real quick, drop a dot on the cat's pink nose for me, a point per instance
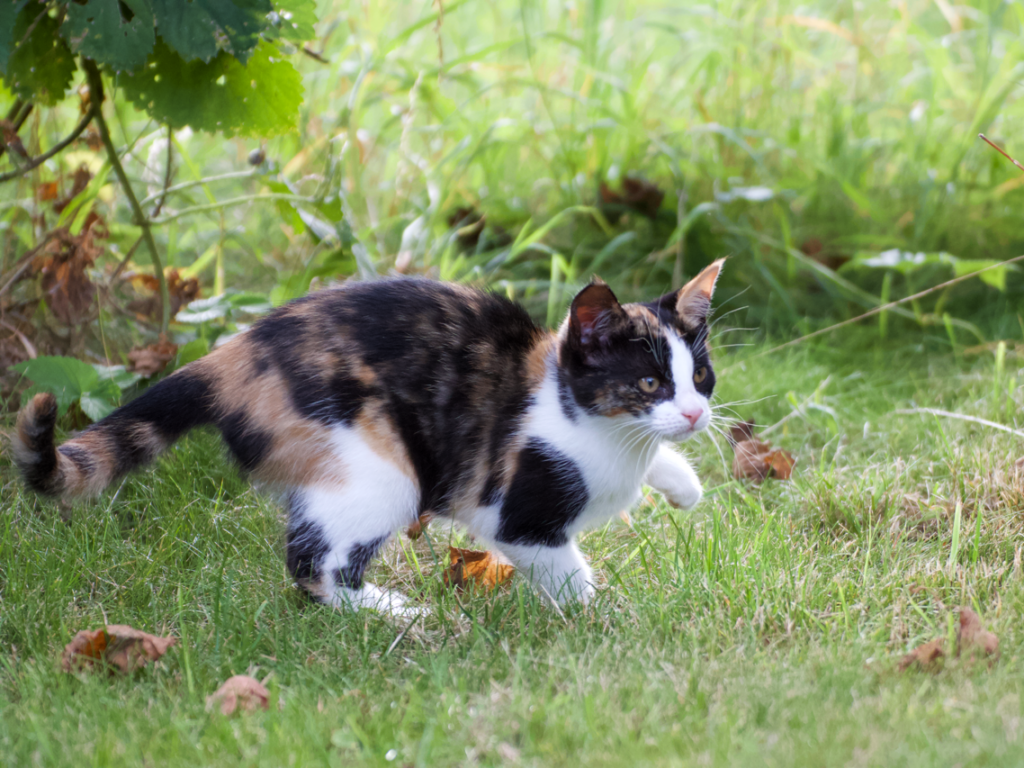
(692, 416)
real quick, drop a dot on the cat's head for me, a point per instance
(645, 361)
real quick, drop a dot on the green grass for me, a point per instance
(762, 629)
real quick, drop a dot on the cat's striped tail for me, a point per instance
(131, 436)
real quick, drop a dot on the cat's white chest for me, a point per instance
(611, 458)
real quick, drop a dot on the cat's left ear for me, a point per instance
(593, 313)
(692, 302)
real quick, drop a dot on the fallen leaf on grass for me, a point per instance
(117, 647)
(925, 655)
(150, 360)
(972, 638)
(637, 194)
(415, 530)
(756, 459)
(240, 691)
(474, 568)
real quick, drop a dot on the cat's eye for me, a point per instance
(700, 375)
(648, 384)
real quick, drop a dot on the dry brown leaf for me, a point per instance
(12, 139)
(474, 568)
(637, 194)
(973, 638)
(47, 190)
(750, 460)
(741, 430)
(150, 360)
(117, 647)
(925, 655)
(755, 459)
(781, 464)
(240, 691)
(181, 290)
(63, 264)
(415, 530)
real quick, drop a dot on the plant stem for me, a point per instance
(96, 92)
(56, 149)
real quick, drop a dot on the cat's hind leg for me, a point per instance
(334, 531)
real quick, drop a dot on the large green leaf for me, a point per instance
(98, 29)
(241, 21)
(39, 66)
(9, 12)
(294, 19)
(261, 98)
(187, 27)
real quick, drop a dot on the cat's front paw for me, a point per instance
(684, 495)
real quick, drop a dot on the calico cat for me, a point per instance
(369, 404)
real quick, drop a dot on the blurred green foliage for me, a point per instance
(496, 143)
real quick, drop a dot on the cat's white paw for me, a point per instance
(685, 494)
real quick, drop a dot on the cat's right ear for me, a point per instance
(593, 314)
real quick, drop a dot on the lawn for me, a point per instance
(764, 628)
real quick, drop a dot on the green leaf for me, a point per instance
(39, 67)
(100, 401)
(191, 352)
(187, 27)
(996, 276)
(204, 310)
(241, 21)
(261, 98)
(294, 20)
(118, 374)
(99, 30)
(66, 378)
(9, 13)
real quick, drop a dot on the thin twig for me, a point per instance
(962, 417)
(23, 263)
(885, 307)
(200, 182)
(314, 55)
(124, 261)
(96, 98)
(228, 203)
(994, 146)
(167, 176)
(36, 161)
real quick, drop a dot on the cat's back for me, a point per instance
(402, 321)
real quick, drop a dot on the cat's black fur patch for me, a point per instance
(546, 495)
(306, 544)
(450, 367)
(359, 556)
(247, 442)
(79, 456)
(172, 406)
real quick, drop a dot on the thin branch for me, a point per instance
(988, 141)
(960, 416)
(167, 176)
(23, 116)
(23, 263)
(314, 55)
(231, 202)
(200, 182)
(57, 149)
(888, 306)
(124, 262)
(13, 111)
(96, 98)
